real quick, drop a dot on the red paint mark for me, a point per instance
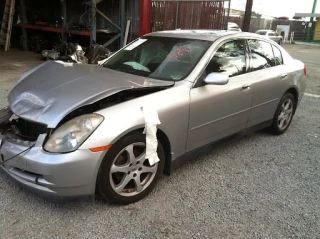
(178, 53)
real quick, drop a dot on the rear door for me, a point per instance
(269, 80)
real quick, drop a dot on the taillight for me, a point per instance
(305, 70)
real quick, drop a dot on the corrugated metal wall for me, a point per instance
(169, 15)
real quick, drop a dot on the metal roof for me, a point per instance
(307, 15)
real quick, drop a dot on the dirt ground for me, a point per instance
(12, 64)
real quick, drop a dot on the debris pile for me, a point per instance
(97, 53)
(72, 52)
(50, 55)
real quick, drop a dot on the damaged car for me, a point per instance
(74, 131)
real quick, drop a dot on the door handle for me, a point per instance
(284, 76)
(246, 87)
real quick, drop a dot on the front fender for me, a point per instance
(118, 121)
(172, 106)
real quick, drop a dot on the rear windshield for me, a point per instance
(162, 58)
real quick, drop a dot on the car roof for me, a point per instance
(265, 30)
(208, 35)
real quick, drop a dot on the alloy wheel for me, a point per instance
(285, 114)
(130, 171)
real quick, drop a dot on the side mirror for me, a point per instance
(216, 79)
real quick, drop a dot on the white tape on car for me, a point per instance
(151, 121)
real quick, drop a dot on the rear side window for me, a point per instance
(277, 56)
(261, 55)
(229, 59)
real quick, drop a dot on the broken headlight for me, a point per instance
(72, 134)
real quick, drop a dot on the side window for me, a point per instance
(229, 59)
(271, 34)
(261, 55)
(277, 56)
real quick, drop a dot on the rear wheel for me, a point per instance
(283, 116)
(125, 175)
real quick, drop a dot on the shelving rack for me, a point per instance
(92, 32)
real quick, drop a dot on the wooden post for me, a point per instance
(63, 19)
(247, 16)
(177, 15)
(24, 20)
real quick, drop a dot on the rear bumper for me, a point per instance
(58, 177)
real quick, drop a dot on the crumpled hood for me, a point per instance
(48, 92)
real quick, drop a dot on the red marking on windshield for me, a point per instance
(178, 53)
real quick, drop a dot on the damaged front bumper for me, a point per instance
(59, 177)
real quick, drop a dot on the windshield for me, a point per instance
(159, 57)
(262, 33)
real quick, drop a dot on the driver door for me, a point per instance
(217, 111)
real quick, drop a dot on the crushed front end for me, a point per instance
(56, 176)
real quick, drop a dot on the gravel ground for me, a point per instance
(258, 186)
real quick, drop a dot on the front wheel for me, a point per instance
(125, 174)
(280, 42)
(284, 113)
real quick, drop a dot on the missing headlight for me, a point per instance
(27, 130)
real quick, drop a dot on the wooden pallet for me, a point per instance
(6, 26)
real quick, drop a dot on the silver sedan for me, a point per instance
(73, 130)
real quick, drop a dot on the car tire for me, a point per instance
(132, 178)
(284, 114)
(280, 42)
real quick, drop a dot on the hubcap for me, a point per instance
(130, 172)
(285, 114)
